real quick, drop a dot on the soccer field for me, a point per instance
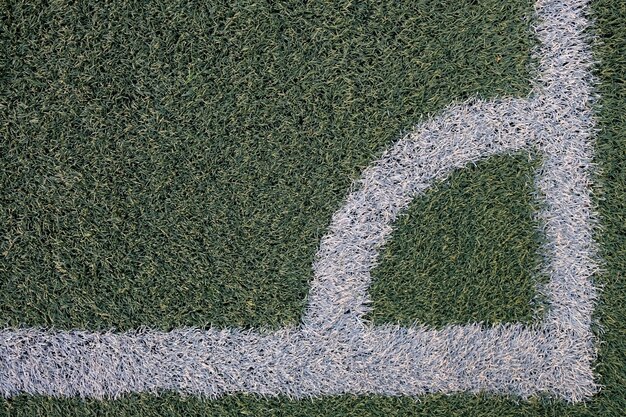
(173, 164)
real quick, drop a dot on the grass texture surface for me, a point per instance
(176, 165)
(168, 164)
(465, 252)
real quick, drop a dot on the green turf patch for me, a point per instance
(465, 252)
(245, 405)
(610, 16)
(171, 165)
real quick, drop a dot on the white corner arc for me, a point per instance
(335, 351)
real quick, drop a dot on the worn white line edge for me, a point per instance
(335, 351)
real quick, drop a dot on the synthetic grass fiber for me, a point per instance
(113, 198)
(478, 263)
(176, 165)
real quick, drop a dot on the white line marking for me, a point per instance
(335, 351)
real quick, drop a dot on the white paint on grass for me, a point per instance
(335, 351)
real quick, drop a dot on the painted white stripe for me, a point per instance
(335, 351)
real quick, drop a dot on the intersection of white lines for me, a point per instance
(334, 351)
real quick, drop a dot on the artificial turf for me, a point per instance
(466, 252)
(70, 166)
(169, 164)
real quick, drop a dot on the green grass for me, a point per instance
(173, 165)
(342, 406)
(60, 123)
(467, 251)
